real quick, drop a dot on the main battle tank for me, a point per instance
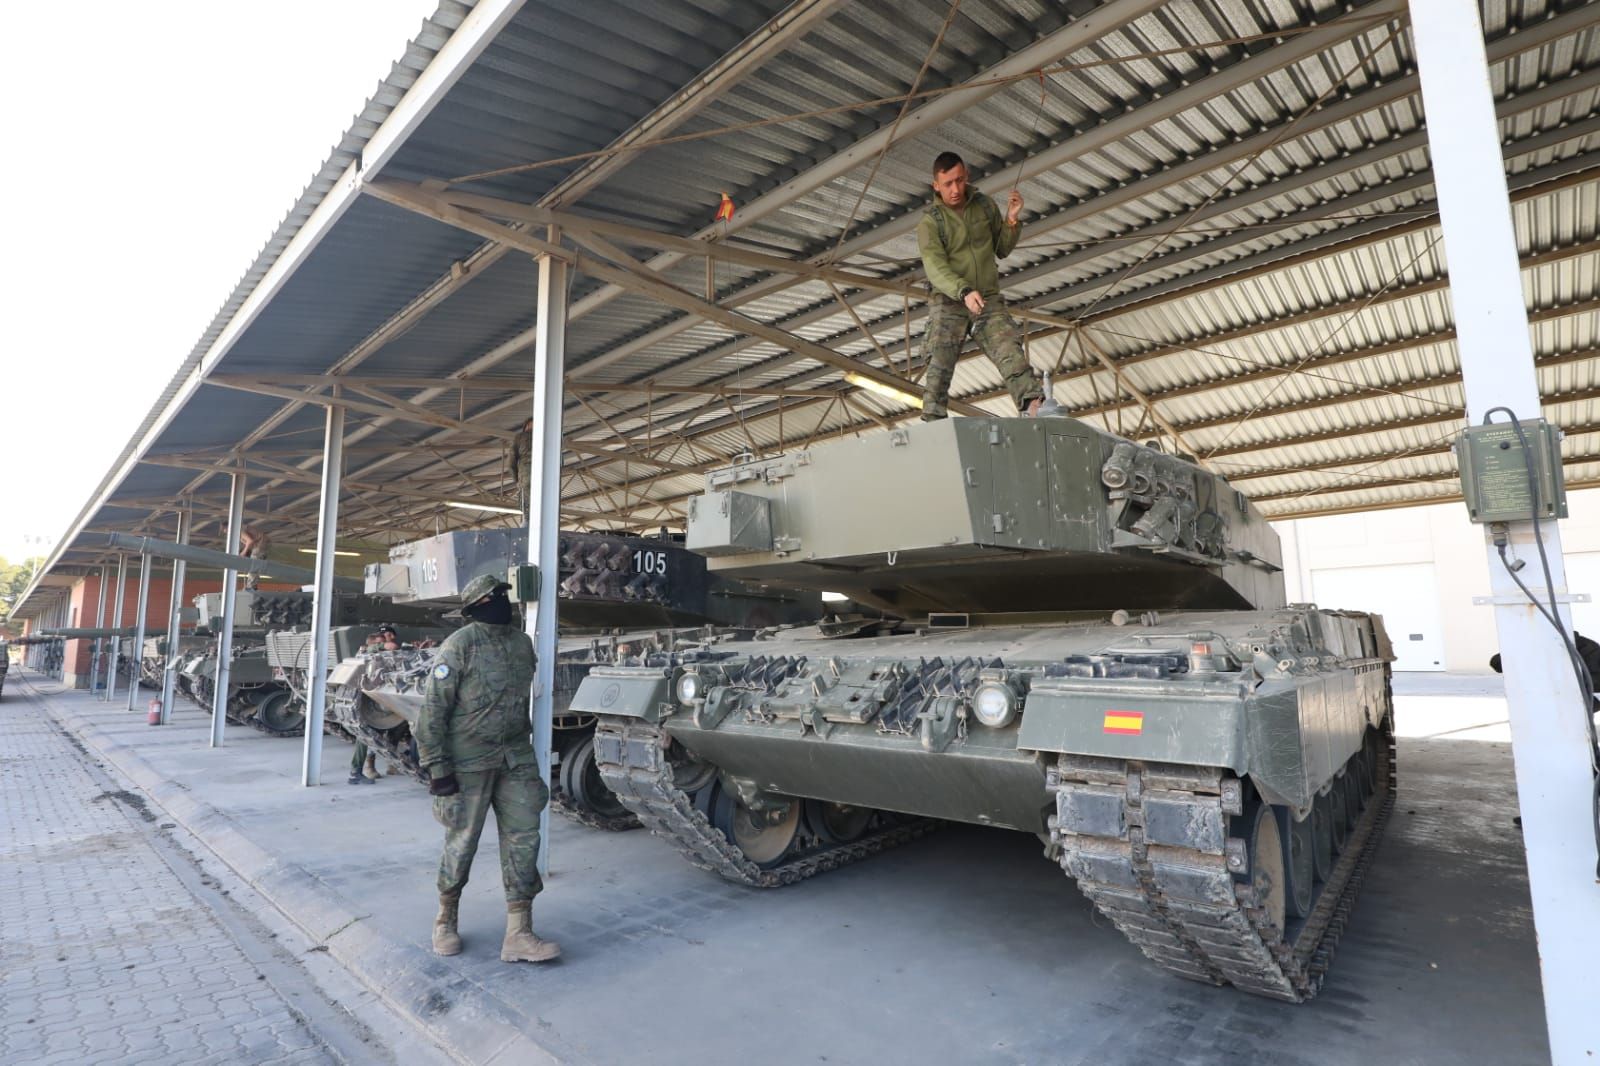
(286, 649)
(619, 598)
(255, 696)
(1092, 647)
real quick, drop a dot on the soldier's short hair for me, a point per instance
(946, 161)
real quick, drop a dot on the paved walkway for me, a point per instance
(115, 946)
(966, 946)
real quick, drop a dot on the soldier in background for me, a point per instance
(363, 761)
(474, 740)
(960, 237)
(254, 544)
(521, 448)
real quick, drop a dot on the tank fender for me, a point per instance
(640, 692)
(1192, 725)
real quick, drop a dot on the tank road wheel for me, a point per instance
(765, 837)
(836, 823)
(1339, 813)
(279, 715)
(1298, 860)
(1355, 788)
(580, 779)
(1267, 881)
(1322, 847)
(1367, 762)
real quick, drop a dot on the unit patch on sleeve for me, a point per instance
(441, 671)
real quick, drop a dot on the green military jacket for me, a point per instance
(475, 713)
(960, 247)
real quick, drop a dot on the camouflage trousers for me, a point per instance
(949, 322)
(517, 794)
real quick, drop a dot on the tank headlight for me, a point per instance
(688, 688)
(995, 704)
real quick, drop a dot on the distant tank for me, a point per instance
(618, 596)
(1078, 637)
(355, 617)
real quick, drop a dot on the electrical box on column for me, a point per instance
(1495, 459)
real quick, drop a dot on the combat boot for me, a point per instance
(521, 943)
(446, 941)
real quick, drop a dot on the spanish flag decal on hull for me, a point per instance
(1129, 723)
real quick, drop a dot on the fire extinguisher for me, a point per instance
(154, 717)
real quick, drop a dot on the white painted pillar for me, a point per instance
(140, 612)
(100, 623)
(116, 642)
(169, 676)
(230, 583)
(1550, 740)
(544, 521)
(322, 595)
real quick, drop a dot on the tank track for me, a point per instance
(237, 716)
(254, 722)
(1182, 906)
(633, 762)
(615, 824)
(378, 740)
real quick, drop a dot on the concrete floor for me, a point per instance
(965, 947)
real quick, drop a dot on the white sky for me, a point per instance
(152, 151)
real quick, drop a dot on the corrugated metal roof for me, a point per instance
(1246, 227)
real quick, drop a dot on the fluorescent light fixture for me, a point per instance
(313, 551)
(874, 385)
(496, 508)
(834, 597)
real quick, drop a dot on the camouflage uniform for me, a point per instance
(959, 252)
(474, 724)
(521, 449)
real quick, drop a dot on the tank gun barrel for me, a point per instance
(100, 632)
(267, 568)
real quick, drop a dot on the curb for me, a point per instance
(468, 1022)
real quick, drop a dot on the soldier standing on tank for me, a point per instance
(254, 544)
(473, 738)
(961, 235)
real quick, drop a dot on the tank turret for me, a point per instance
(991, 515)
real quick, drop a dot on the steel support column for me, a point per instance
(140, 611)
(169, 676)
(322, 595)
(1549, 731)
(544, 465)
(100, 622)
(230, 583)
(116, 642)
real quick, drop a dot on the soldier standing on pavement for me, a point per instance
(961, 236)
(473, 737)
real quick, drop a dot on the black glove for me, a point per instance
(444, 786)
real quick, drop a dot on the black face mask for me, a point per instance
(496, 611)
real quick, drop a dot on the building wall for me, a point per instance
(78, 655)
(1437, 537)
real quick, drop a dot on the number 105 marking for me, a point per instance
(650, 562)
